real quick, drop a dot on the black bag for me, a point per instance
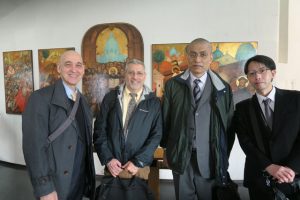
(294, 188)
(229, 191)
(117, 189)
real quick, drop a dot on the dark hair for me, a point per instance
(267, 61)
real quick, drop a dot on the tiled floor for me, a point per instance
(15, 185)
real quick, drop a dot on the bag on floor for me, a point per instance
(229, 191)
(112, 188)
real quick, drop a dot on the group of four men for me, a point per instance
(196, 126)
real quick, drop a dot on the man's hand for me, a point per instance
(130, 168)
(280, 173)
(51, 196)
(115, 167)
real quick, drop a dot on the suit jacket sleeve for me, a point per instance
(35, 145)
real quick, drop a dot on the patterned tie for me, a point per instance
(130, 108)
(74, 95)
(197, 91)
(268, 112)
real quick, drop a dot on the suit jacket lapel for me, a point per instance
(59, 96)
(258, 110)
(61, 99)
(187, 82)
(279, 108)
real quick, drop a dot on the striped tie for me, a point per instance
(197, 91)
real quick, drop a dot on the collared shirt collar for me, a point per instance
(202, 79)
(68, 90)
(139, 93)
(271, 96)
(216, 80)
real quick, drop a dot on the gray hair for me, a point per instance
(198, 40)
(134, 61)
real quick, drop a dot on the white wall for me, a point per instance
(37, 24)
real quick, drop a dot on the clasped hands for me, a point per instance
(282, 174)
(115, 167)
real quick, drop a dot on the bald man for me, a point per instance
(62, 167)
(197, 111)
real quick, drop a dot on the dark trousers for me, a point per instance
(191, 185)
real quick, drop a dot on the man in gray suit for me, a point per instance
(63, 168)
(197, 112)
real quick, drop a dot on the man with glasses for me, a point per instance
(128, 129)
(197, 112)
(268, 129)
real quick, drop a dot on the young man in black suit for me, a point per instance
(268, 129)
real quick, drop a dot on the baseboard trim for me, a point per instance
(12, 165)
(98, 177)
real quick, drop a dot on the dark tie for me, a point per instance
(197, 91)
(268, 112)
(130, 108)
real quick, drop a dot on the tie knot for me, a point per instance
(133, 95)
(267, 101)
(197, 81)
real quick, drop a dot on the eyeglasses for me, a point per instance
(194, 55)
(252, 74)
(138, 74)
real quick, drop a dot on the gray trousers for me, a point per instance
(191, 185)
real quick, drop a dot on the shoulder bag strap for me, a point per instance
(66, 123)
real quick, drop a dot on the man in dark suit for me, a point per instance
(197, 113)
(268, 129)
(64, 168)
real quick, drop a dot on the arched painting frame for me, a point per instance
(105, 50)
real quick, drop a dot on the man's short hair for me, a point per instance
(267, 61)
(198, 40)
(134, 61)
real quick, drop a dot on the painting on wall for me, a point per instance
(48, 59)
(105, 50)
(168, 60)
(18, 79)
(229, 58)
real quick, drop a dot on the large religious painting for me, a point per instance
(18, 80)
(105, 50)
(48, 59)
(229, 58)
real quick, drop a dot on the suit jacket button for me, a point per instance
(44, 180)
(70, 147)
(66, 172)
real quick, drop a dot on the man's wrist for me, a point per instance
(138, 163)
